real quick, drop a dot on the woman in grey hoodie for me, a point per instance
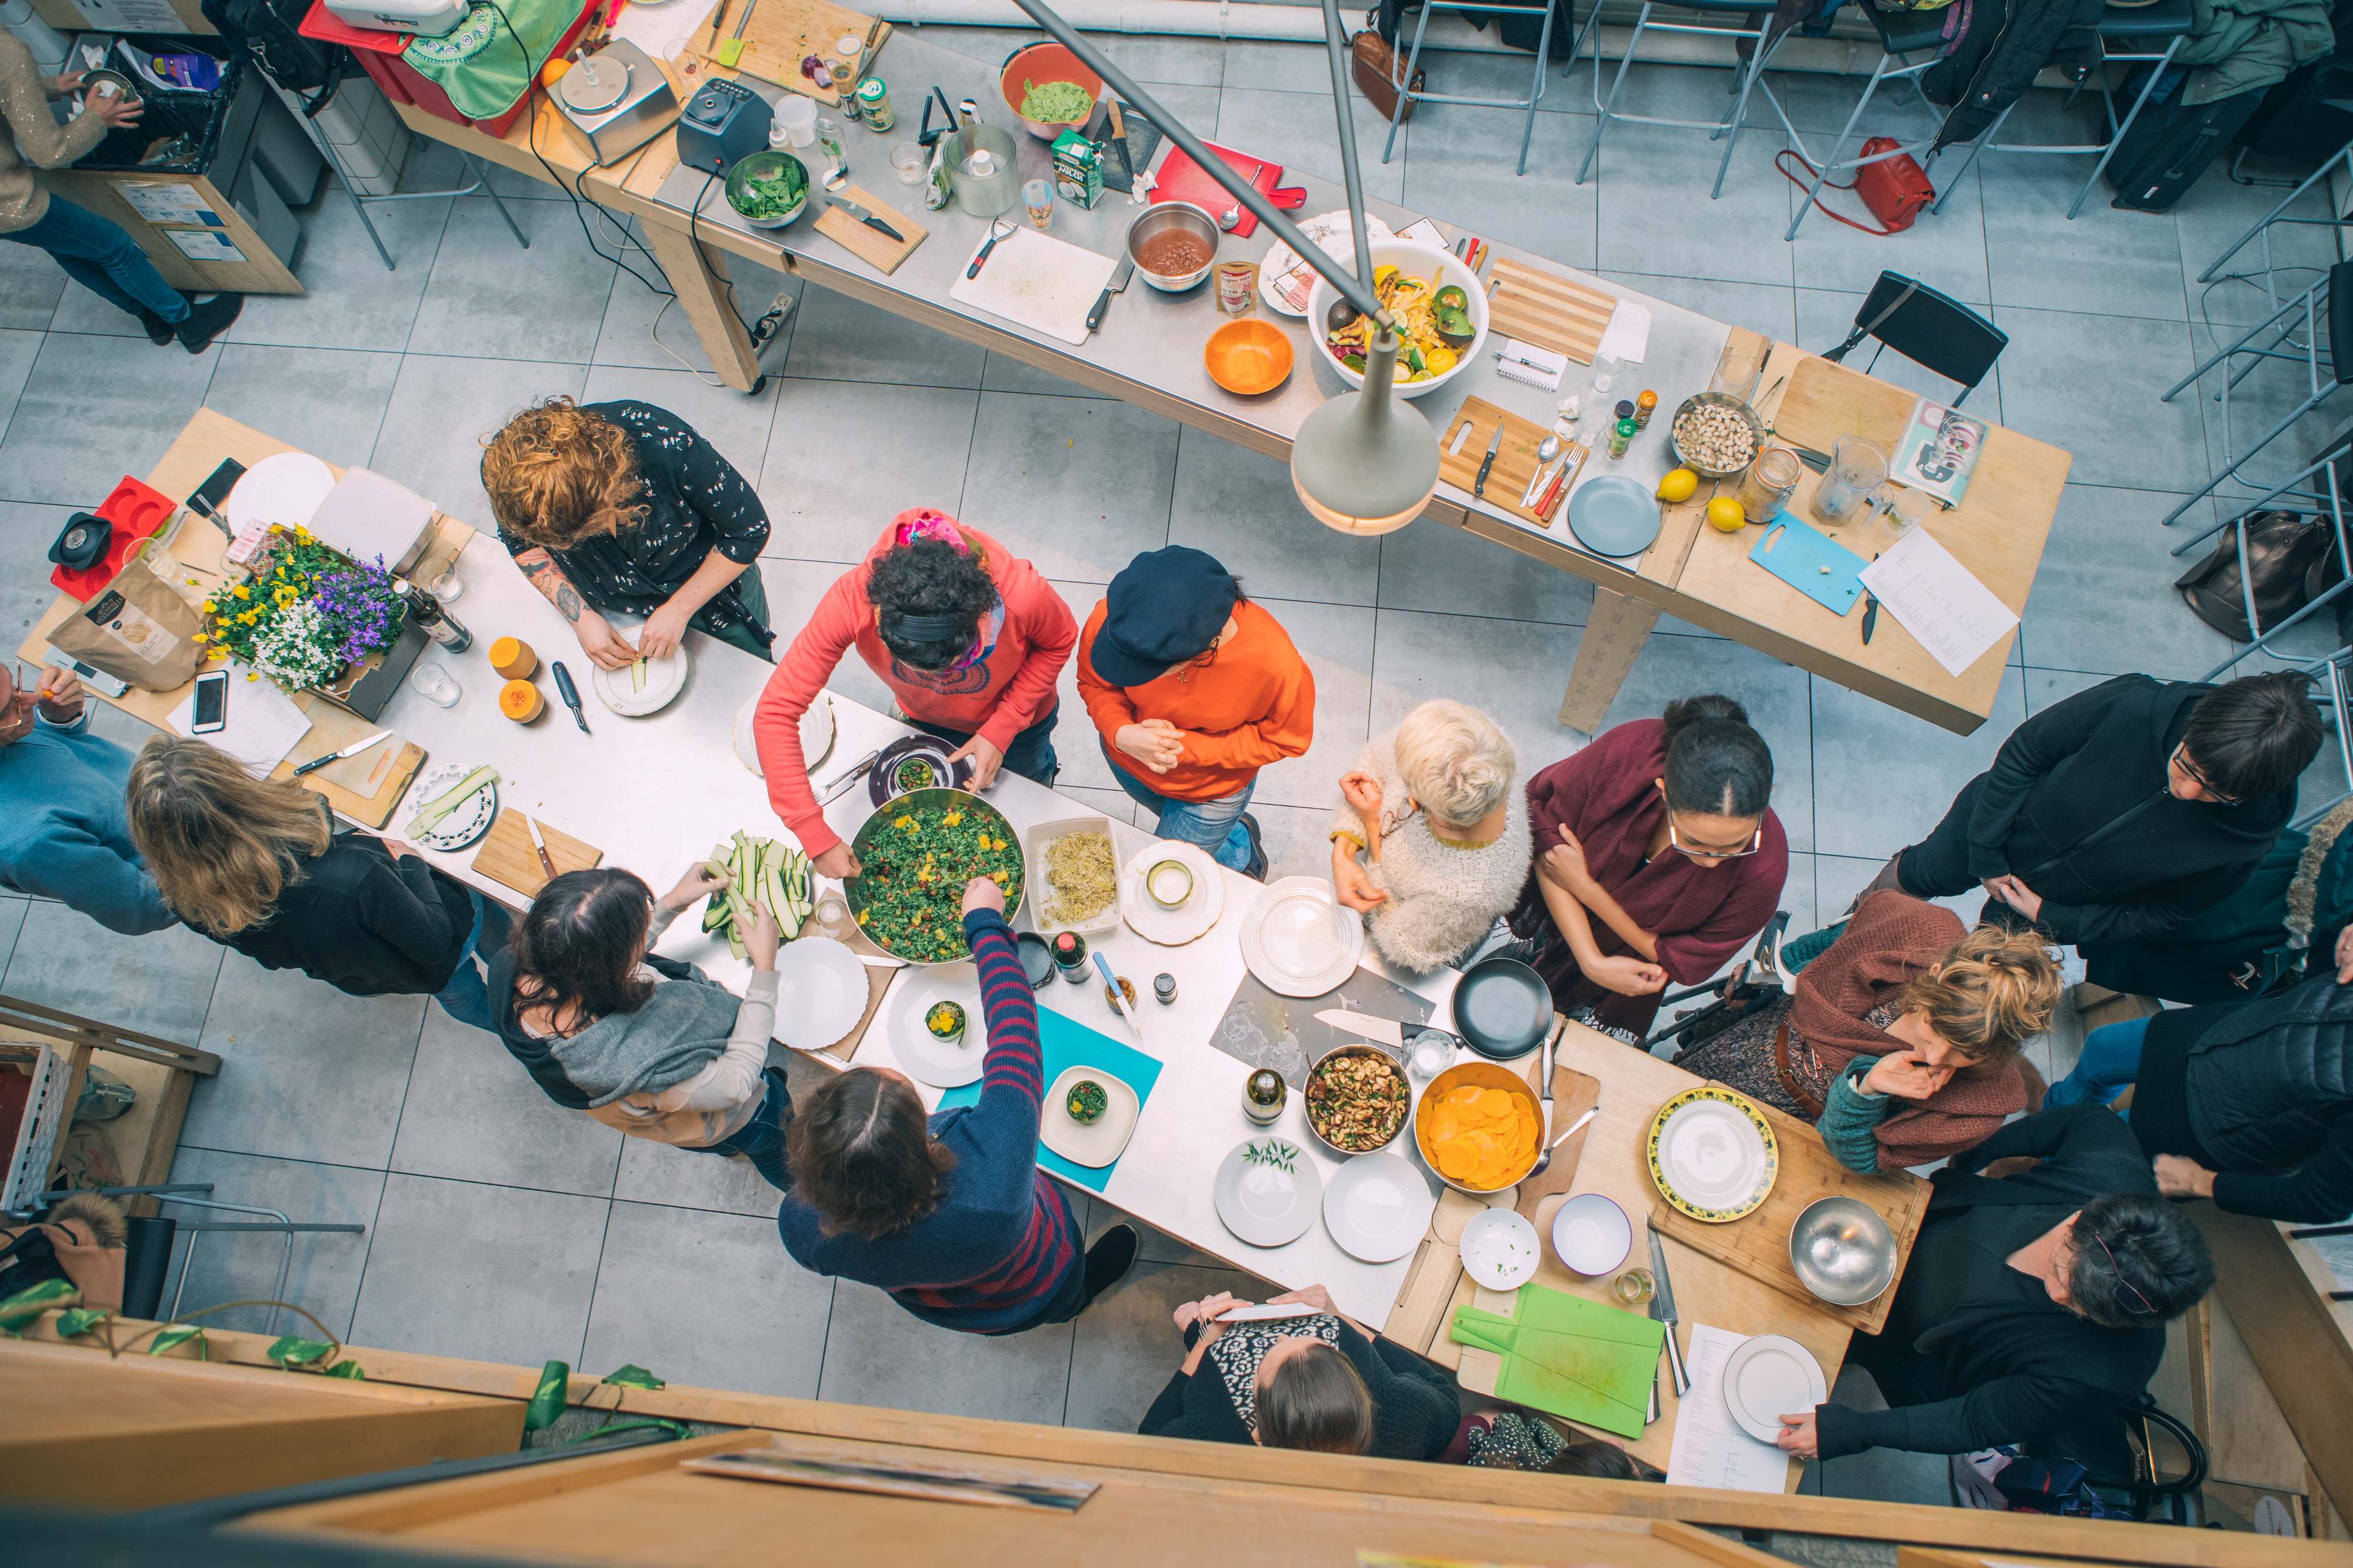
(637, 1041)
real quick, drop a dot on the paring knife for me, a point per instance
(858, 770)
(1487, 463)
(354, 750)
(540, 844)
(868, 219)
(1544, 1095)
(1870, 611)
(1662, 1310)
(569, 693)
(1119, 277)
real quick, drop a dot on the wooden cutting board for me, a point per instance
(875, 249)
(1826, 401)
(1573, 1094)
(781, 33)
(507, 856)
(1515, 462)
(1547, 309)
(364, 788)
(1758, 1244)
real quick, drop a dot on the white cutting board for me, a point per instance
(1038, 281)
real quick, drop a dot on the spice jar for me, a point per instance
(1769, 482)
(1644, 406)
(1621, 436)
(1164, 989)
(1264, 1094)
(1625, 410)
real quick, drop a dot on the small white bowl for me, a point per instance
(1591, 1235)
(1500, 1249)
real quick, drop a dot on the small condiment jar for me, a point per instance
(1644, 406)
(1164, 989)
(1264, 1094)
(1621, 436)
(1624, 410)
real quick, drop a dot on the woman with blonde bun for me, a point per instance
(1903, 1041)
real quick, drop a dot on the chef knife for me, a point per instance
(1119, 277)
(1870, 611)
(569, 693)
(354, 750)
(1389, 1032)
(1662, 1309)
(840, 786)
(868, 219)
(540, 844)
(1495, 445)
(1544, 1094)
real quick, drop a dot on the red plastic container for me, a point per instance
(136, 510)
(379, 55)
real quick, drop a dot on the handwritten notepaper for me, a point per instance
(1939, 601)
(1710, 1450)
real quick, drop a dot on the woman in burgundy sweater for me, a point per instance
(1657, 857)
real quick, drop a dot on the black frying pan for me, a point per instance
(1501, 1008)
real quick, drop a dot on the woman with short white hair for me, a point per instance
(1430, 840)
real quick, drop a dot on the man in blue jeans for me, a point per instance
(94, 253)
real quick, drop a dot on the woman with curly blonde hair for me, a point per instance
(624, 507)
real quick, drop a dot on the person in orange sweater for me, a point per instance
(1194, 688)
(967, 636)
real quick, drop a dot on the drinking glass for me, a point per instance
(432, 682)
(1038, 195)
(1429, 1054)
(1906, 509)
(833, 917)
(448, 585)
(1632, 1288)
(1605, 370)
(1856, 471)
(909, 163)
(1736, 374)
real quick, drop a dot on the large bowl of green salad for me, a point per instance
(914, 855)
(768, 189)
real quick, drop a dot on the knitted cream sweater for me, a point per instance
(30, 135)
(1443, 896)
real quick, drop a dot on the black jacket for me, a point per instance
(1976, 1353)
(1415, 1411)
(2267, 1089)
(2076, 806)
(366, 923)
(2008, 43)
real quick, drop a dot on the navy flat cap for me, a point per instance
(1166, 606)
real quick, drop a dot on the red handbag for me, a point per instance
(1893, 189)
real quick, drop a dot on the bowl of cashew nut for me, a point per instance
(1716, 433)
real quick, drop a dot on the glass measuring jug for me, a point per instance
(1857, 470)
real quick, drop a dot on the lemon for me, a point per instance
(1678, 486)
(1727, 515)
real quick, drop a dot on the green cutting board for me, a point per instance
(1572, 1357)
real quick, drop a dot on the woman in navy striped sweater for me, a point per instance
(949, 1214)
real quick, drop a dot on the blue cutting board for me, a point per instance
(1796, 552)
(1070, 1043)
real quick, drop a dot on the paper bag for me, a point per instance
(138, 629)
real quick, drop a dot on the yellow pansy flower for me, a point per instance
(243, 591)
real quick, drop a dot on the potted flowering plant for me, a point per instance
(311, 618)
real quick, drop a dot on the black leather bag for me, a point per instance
(2290, 557)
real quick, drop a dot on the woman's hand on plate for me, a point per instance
(986, 759)
(664, 631)
(1799, 1437)
(604, 645)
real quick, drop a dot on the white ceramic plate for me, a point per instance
(1190, 920)
(462, 827)
(1712, 1155)
(1298, 939)
(816, 733)
(1096, 1143)
(285, 487)
(1379, 1207)
(665, 678)
(1767, 1376)
(1500, 1249)
(1333, 233)
(943, 1064)
(1591, 1235)
(820, 991)
(1269, 1200)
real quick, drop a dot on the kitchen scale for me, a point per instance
(615, 100)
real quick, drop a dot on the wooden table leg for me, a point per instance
(696, 272)
(1614, 634)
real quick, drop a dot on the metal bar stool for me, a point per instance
(2324, 313)
(1749, 72)
(1407, 96)
(2136, 29)
(1902, 33)
(478, 179)
(276, 1223)
(2262, 228)
(2327, 495)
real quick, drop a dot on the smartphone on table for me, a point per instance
(212, 703)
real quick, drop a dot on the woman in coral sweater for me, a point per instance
(967, 636)
(1194, 689)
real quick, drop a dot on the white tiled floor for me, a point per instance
(500, 1227)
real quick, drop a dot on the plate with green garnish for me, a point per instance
(1089, 1117)
(1268, 1191)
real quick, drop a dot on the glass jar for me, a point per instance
(1769, 482)
(1264, 1094)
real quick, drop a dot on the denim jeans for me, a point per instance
(1032, 754)
(467, 996)
(102, 259)
(761, 1139)
(1213, 825)
(2111, 1059)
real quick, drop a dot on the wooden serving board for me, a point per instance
(1825, 402)
(782, 33)
(1573, 1094)
(1515, 463)
(1758, 1244)
(877, 250)
(1547, 309)
(507, 856)
(364, 788)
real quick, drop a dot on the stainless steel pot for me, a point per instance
(1160, 218)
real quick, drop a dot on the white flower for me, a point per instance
(294, 650)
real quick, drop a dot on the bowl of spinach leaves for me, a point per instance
(768, 189)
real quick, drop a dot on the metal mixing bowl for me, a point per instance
(1372, 1053)
(1716, 400)
(1842, 1251)
(1159, 218)
(1479, 1075)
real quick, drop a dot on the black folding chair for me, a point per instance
(1929, 329)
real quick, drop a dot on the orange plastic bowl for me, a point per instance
(1041, 63)
(1248, 357)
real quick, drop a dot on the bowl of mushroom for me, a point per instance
(1716, 435)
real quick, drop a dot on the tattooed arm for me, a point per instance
(603, 646)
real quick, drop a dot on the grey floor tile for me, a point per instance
(1279, 68)
(2214, 213)
(1336, 640)
(94, 409)
(635, 314)
(1296, 839)
(1128, 1344)
(2130, 262)
(1824, 319)
(31, 282)
(655, 1172)
(1509, 74)
(912, 445)
(876, 1353)
(350, 300)
(1766, 308)
(2090, 384)
(837, 338)
(80, 310)
(485, 300)
(1944, 250)
(1656, 216)
(12, 921)
(307, 1072)
(1239, 506)
(1513, 670)
(2046, 688)
(498, 1274)
(1302, 132)
(160, 984)
(1112, 803)
(2103, 598)
(752, 1320)
(242, 1267)
(441, 413)
(328, 402)
(473, 1114)
(17, 352)
(1427, 565)
(734, 422)
(25, 532)
(1096, 1216)
(1471, 182)
(1840, 880)
(1002, 373)
(1078, 486)
(1884, 778)
(1176, 61)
